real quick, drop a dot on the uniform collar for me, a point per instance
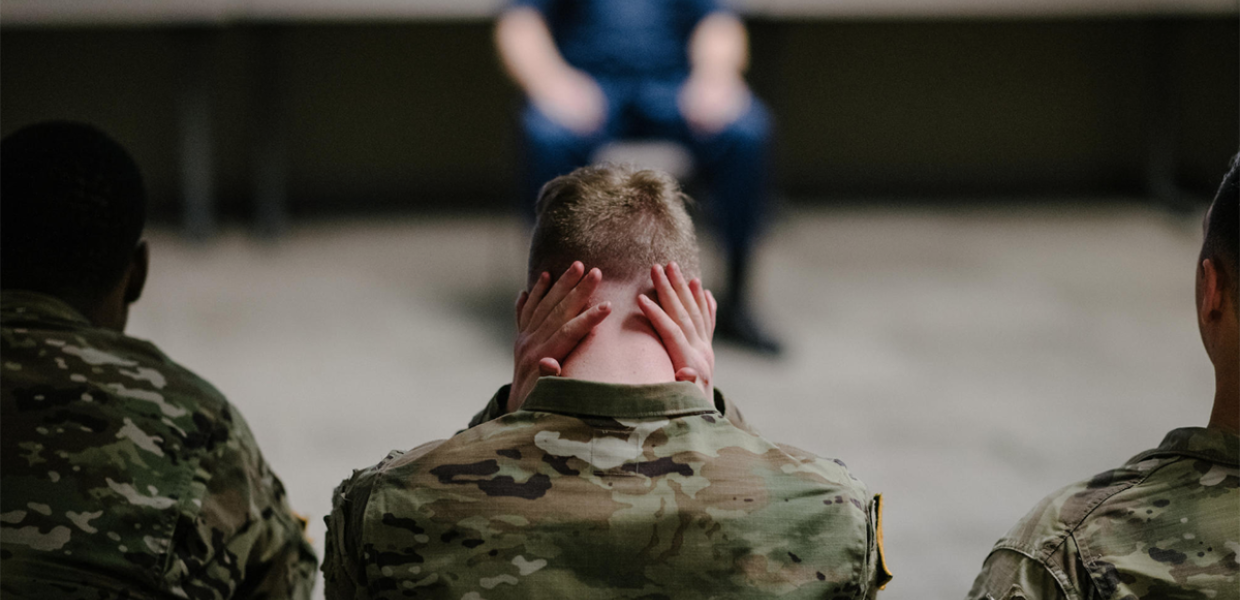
(1198, 442)
(22, 305)
(618, 401)
(498, 407)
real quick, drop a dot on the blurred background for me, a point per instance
(980, 259)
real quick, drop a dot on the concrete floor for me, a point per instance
(964, 362)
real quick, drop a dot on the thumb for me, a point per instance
(549, 367)
(687, 374)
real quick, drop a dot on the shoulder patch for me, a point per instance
(303, 522)
(884, 575)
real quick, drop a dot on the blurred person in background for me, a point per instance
(600, 70)
(1167, 523)
(124, 474)
(611, 467)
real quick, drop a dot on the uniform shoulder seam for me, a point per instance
(1061, 578)
(1050, 534)
(397, 459)
(1085, 549)
(1119, 488)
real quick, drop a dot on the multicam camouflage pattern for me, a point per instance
(127, 476)
(498, 407)
(603, 491)
(1165, 525)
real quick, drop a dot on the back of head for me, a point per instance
(1221, 243)
(617, 218)
(72, 209)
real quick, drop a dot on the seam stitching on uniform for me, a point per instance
(1072, 527)
(1061, 578)
(163, 571)
(1013, 548)
(1231, 461)
(638, 415)
(1086, 558)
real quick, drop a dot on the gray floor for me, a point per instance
(964, 362)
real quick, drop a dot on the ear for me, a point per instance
(139, 265)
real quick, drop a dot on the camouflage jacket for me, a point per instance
(127, 476)
(595, 490)
(1165, 525)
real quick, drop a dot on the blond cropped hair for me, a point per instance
(618, 218)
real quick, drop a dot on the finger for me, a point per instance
(669, 330)
(670, 301)
(681, 285)
(566, 338)
(521, 298)
(714, 311)
(699, 296)
(687, 374)
(562, 287)
(549, 367)
(703, 305)
(533, 299)
(577, 300)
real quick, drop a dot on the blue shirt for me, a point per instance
(625, 38)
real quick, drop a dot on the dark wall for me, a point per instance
(123, 81)
(399, 113)
(421, 115)
(1020, 107)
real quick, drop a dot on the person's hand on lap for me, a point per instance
(712, 101)
(572, 99)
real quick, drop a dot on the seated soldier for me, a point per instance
(595, 71)
(124, 474)
(627, 475)
(1166, 524)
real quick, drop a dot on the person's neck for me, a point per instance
(1226, 413)
(622, 349)
(109, 311)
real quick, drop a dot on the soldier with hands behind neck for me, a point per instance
(611, 467)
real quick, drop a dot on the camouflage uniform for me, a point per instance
(127, 476)
(1165, 525)
(596, 490)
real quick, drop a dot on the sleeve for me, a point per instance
(1011, 575)
(284, 564)
(698, 9)
(344, 578)
(259, 543)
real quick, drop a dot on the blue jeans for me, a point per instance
(732, 161)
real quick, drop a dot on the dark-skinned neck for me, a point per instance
(1217, 319)
(1226, 413)
(111, 310)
